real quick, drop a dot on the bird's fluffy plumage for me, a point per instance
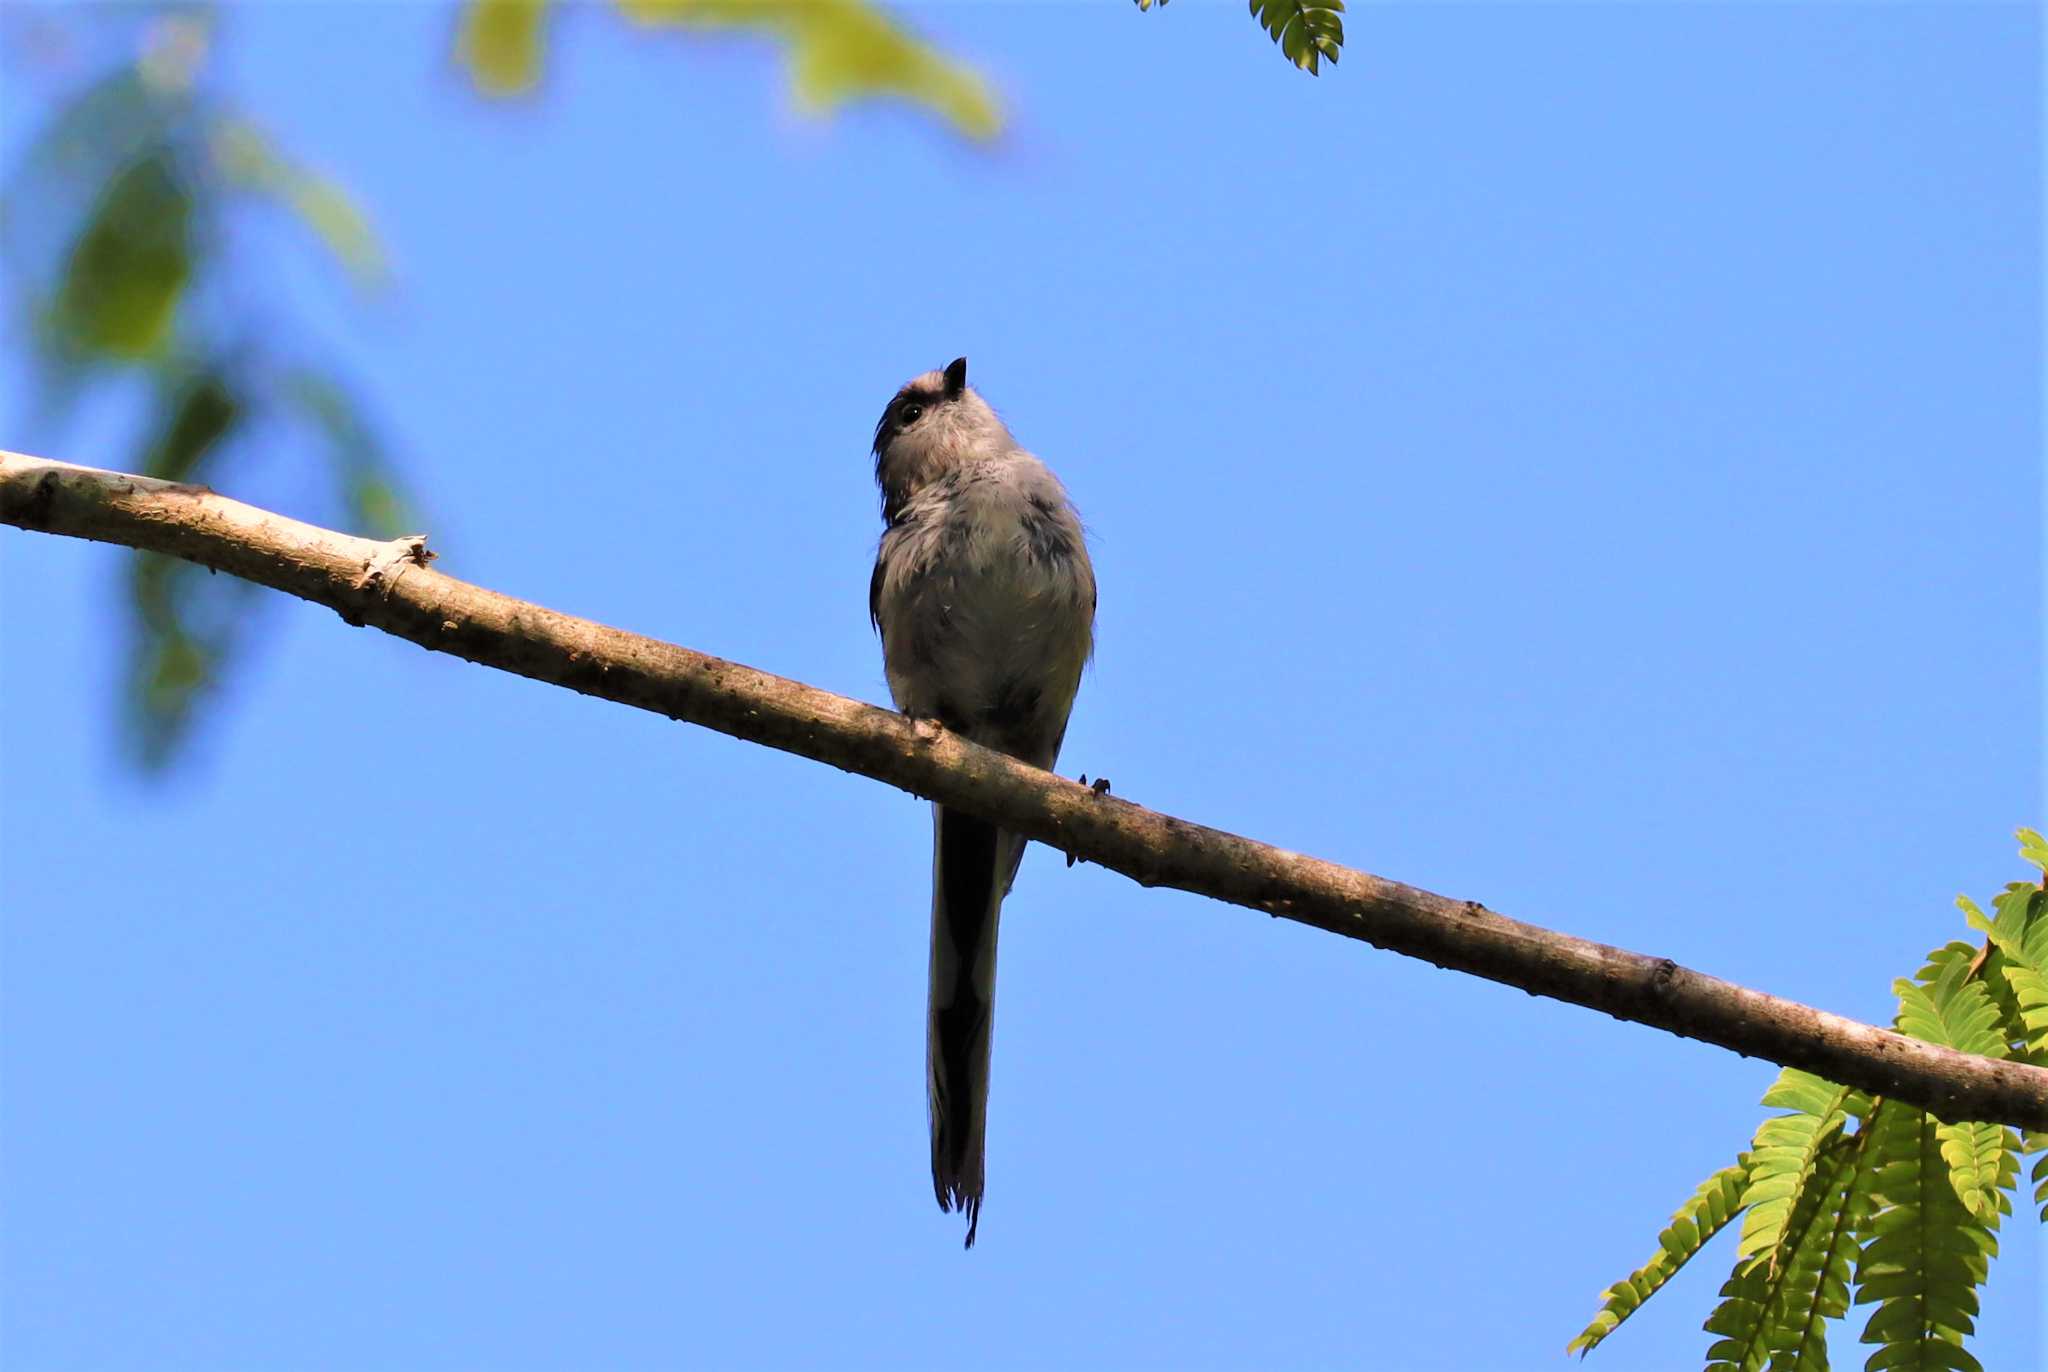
(985, 600)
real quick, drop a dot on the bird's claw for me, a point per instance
(1100, 786)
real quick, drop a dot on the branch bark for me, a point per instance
(389, 585)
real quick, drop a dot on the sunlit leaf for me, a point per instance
(1814, 1289)
(2019, 931)
(841, 51)
(499, 43)
(1907, 1205)
(1783, 1157)
(1711, 1207)
(1924, 1255)
(1769, 1310)
(2034, 849)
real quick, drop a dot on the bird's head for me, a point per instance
(935, 423)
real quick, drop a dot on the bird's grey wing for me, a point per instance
(875, 594)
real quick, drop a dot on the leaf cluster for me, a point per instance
(1307, 33)
(117, 244)
(1849, 1200)
(126, 264)
(839, 51)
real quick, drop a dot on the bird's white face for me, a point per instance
(931, 426)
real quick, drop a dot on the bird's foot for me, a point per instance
(1100, 786)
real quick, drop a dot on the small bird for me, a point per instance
(985, 601)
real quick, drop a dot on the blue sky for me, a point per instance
(1582, 458)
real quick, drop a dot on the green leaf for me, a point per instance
(499, 42)
(1973, 914)
(841, 51)
(248, 160)
(1754, 1316)
(1923, 1255)
(1712, 1205)
(1308, 31)
(128, 268)
(1846, 1188)
(1739, 1319)
(1954, 1008)
(2020, 968)
(188, 625)
(1815, 1289)
(1950, 1006)
(173, 657)
(2017, 906)
(195, 415)
(2034, 849)
(1782, 1161)
(168, 667)
(1978, 1162)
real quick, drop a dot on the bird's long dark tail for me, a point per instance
(972, 863)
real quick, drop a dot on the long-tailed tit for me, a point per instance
(985, 601)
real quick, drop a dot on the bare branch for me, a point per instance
(389, 586)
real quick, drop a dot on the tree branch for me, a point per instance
(389, 586)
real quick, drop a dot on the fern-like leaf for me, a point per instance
(1712, 1206)
(1752, 1318)
(1847, 1189)
(1939, 1188)
(1816, 1286)
(2020, 934)
(1308, 31)
(1982, 1161)
(1739, 1320)
(1957, 1011)
(2033, 849)
(1923, 1254)
(1782, 1160)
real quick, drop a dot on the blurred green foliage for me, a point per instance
(839, 51)
(114, 238)
(498, 42)
(121, 284)
(115, 243)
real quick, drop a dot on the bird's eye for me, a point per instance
(910, 414)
